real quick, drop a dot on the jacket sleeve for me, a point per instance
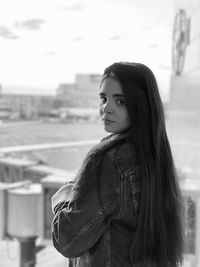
(62, 196)
(78, 225)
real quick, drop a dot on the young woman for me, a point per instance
(124, 207)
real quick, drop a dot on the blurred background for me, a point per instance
(52, 55)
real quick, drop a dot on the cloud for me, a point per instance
(6, 33)
(75, 7)
(153, 45)
(116, 37)
(78, 39)
(164, 67)
(31, 24)
(49, 53)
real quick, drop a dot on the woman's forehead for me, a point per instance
(111, 85)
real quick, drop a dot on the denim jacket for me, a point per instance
(95, 231)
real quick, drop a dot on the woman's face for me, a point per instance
(113, 111)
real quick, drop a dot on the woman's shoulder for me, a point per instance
(123, 152)
(126, 153)
(105, 144)
(115, 148)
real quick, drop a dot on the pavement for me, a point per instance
(47, 257)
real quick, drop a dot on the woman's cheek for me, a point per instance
(100, 110)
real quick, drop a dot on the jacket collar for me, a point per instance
(109, 141)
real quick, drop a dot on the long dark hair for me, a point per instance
(159, 238)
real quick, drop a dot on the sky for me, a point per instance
(46, 42)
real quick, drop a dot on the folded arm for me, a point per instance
(81, 219)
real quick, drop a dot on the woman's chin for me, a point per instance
(108, 129)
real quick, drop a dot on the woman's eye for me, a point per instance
(103, 99)
(120, 101)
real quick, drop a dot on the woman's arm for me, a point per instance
(61, 197)
(78, 225)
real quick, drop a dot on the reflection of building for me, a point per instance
(185, 80)
(184, 115)
(82, 93)
(184, 106)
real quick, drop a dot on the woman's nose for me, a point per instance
(107, 107)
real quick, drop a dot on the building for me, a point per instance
(82, 93)
(64, 88)
(14, 106)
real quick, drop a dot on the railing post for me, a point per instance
(27, 252)
(197, 241)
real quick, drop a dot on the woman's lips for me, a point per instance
(107, 121)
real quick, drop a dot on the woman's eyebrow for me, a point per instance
(114, 95)
(118, 95)
(102, 94)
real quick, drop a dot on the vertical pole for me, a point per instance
(27, 252)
